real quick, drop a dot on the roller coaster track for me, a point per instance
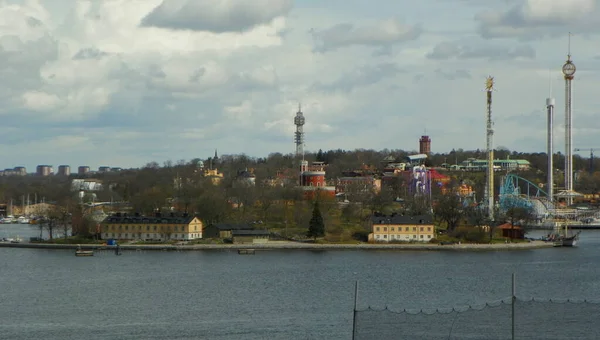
(516, 191)
(520, 192)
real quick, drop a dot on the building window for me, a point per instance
(428, 228)
(392, 228)
(414, 228)
(384, 236)
(406, 229)
(376, 228)
(384, 228)
(421, 229)
(414, 236)
(154, 228)
(421, 236)
(147, 227)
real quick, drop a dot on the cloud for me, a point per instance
(359, 77)
(539, 18)
(451, 50)
(89, 53)
(383, 33)
(218, 17)
(453, 75)
(99, 88)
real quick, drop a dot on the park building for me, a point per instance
(160, 227)
(401, 228)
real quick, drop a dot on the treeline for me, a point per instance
(182, 185)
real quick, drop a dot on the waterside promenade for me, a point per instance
(295, 246)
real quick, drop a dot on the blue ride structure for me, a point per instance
(518, 192)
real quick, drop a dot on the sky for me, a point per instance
(125, 82)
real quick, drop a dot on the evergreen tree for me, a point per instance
(316, 226)
(320, 156)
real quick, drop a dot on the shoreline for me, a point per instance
(293, 246)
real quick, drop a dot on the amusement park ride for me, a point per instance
(548, 212)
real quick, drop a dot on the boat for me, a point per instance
(10, 219)
(561, 237)
(81, 252)
(22, 220)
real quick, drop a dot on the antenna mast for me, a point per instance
(299, 134)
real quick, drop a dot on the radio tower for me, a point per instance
(489, 187)
(568, 71)
(299, 134)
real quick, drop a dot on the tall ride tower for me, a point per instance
(568, 71)
(550, 109)
(299, 134)
(489, 187)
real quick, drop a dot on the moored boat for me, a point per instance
(81, 252)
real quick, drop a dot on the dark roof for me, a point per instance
(233, 226)
(249, 232)
(140, 219)
(402, 219)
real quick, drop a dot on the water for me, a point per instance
(52, 294)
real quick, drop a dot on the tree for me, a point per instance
(448, 208)
(316, 226)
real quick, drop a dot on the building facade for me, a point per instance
(44, 170)
(83, 170)
(312, 181)
(160, 227)
(64, 170)
(425, 145)
(402, 228)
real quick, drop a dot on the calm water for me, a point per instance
(51, 294)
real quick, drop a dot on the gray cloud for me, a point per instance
(530, 20)
(385, 33)
(450, 50)
(207, 15)
(453, 75)
(363, 76)
(89, 53)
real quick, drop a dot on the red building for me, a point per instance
(312, 181)
(425, 145)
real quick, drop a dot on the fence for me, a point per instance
(510, 318)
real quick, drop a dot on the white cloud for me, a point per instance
(218, 17)
(537, 18)
(100, 88)
(383, 33)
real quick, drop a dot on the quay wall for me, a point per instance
(295, 246)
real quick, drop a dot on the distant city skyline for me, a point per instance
(125, 82)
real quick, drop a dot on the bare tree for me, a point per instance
(449, 209)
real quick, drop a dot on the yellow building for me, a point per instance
(402, 228)
(165, 227)
(215, 176)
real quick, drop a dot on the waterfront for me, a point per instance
(274, 294)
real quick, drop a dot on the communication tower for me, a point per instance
(489, 187)
(568, 71)
(299, 134)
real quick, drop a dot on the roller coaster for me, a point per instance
(518, 192)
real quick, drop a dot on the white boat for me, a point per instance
(81, 252)
(23, 220)
(10, 219)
